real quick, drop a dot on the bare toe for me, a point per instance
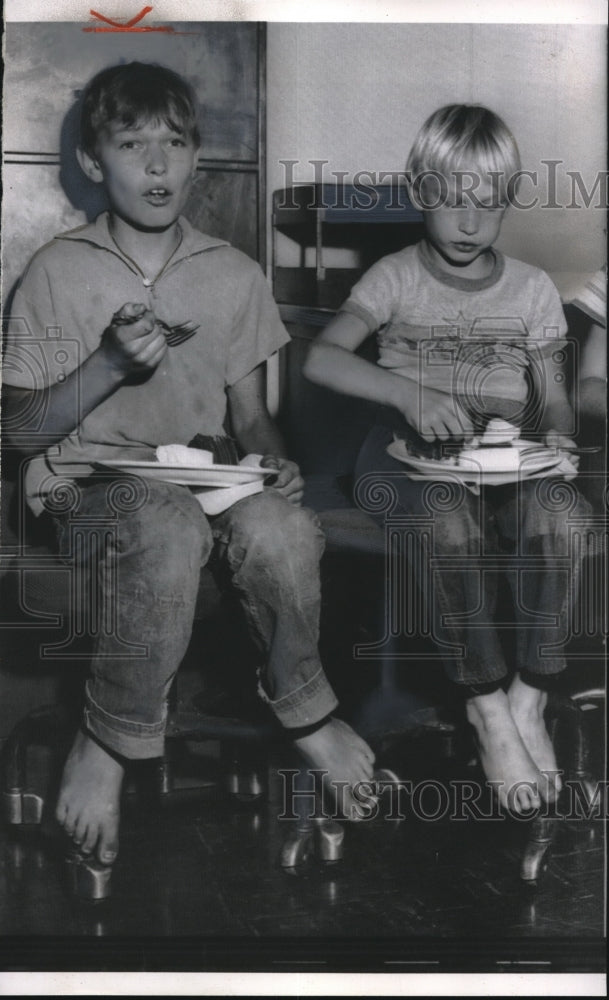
(69, 825)
(88, 804)
(107, 847)
(524, 800)
(345, 760)
(89, 842)
(503, 754)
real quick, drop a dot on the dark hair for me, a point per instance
(134, 91)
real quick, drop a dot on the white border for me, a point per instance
(415, 11)
(298, 984)
(307, 984)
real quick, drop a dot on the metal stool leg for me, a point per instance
(538, 842)
(44, 727)
(329, 840)
(568, 728)
(245, 772)
(88, 879)
(541, 834)
(310, 833)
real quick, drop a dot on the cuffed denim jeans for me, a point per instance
(462, 543)
(140, 547)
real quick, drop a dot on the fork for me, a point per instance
(534, 449)
(175, 335)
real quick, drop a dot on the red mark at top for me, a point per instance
(109, 24)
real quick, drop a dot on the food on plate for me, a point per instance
(499, 459)
(223, 448)
(180, 454)
(499, 432)
(493, 451)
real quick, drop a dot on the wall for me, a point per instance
(355, 95)
(47, 66)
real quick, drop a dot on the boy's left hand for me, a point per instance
(564, 445)
(289, 482)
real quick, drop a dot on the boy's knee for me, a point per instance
(556, 509)
(159, 521)
(276, 533)
(298, 532)
(456, 535)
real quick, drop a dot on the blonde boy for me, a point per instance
(466, 334)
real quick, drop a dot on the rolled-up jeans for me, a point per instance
(140, 547)
(464, 542)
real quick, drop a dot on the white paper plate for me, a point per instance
(480, 478)
(532, 466)
(184, 475)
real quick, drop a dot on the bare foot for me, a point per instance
(345, 757)
(527, 706)
(503, 755)
(88, 803)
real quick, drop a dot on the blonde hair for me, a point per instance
(463, 139)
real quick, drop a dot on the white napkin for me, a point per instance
(565, 468)
(215, 500)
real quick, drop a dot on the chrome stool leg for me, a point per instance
(22, 804)
(329, 840)
(88, 879)
(246, 776)
(310, 833)
(569, 728)
(536, 849)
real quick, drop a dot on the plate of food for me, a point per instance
(191, 467)
(499, 456)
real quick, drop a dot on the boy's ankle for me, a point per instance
(526, 698)
(483, 710)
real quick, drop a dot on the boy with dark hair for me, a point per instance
(117, 287)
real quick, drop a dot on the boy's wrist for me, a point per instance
(112, 369)
(558, 417)
(397, 395)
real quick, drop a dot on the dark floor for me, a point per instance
(198, 886)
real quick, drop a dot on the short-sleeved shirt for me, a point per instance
(455, 334)
(67, 297)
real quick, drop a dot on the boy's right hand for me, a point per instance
(133, 342)
(436, 414)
